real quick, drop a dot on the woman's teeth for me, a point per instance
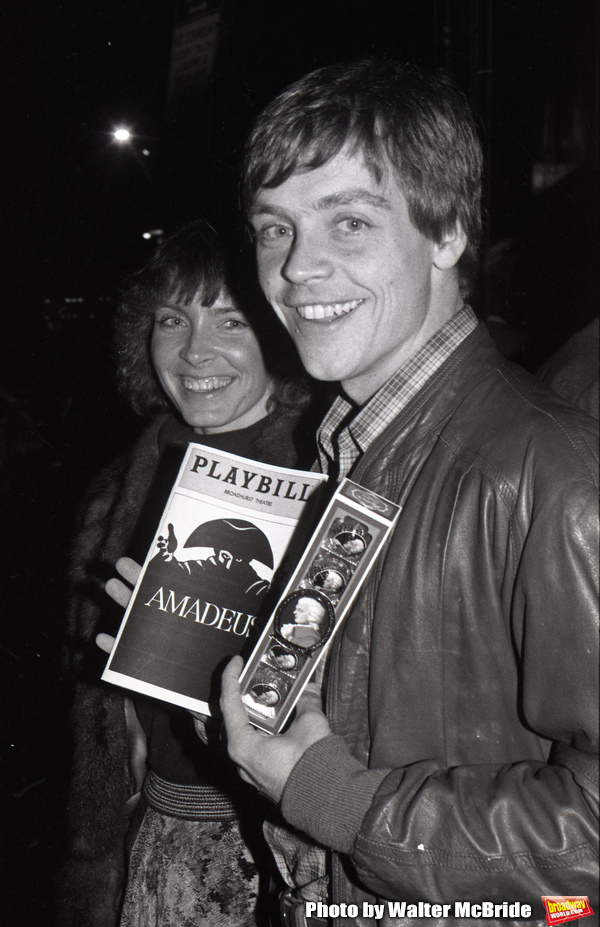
(327, 310)
(206, 384)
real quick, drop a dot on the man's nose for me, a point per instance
(307, 260)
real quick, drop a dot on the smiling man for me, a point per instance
(455, 757)
(357, 285)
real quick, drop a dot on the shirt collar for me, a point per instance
(343, 443)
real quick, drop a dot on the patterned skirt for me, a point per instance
(190, 873)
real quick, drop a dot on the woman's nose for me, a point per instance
(307, 260)
(199, 346)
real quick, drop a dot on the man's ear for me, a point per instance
(448, 251)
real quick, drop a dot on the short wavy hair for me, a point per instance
(392, 113)
(197, 261)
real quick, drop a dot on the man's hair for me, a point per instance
(394, 114)
(195, 261)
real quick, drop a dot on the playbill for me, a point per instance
(326, 581)
(206, 587)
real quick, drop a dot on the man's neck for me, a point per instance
(361, 389)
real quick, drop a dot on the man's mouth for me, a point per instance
(205, 384)
(327, 310)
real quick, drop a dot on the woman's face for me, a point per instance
(210, 364)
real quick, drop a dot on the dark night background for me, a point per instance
(76, 205)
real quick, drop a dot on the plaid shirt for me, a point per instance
(389, 401)
(303, 864)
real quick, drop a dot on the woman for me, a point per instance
(163, 830)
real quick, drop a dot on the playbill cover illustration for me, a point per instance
(326, 581)
(207, 579)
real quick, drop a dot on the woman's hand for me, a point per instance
(105, 642)
(121, 593)
(200, 722)
(117, 590)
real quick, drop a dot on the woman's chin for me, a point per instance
(218, 410)
(206, 412)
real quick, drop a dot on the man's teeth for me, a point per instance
(327, 310)
(206, 384)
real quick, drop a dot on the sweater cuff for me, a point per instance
(329, 792)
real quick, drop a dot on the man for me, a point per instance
(455, 760)
(573, 370)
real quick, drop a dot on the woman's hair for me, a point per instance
(420, 124)
(196, 261)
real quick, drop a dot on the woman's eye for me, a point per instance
(234, 324)
(169, 321)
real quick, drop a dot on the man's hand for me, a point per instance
(266, 760)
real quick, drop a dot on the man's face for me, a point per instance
(352, 279)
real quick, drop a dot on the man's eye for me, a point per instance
(351, 224)
(273, 233)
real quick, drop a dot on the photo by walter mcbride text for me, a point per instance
(422, 909)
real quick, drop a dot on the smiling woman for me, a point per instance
(156, 814)
(210, 364)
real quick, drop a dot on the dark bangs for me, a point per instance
(190, 263)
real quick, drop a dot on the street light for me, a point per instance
(122, 135)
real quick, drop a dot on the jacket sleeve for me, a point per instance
(500, 832)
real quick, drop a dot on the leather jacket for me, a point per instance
(463, 687)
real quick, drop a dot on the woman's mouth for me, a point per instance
(205, 384)
(327, 311)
